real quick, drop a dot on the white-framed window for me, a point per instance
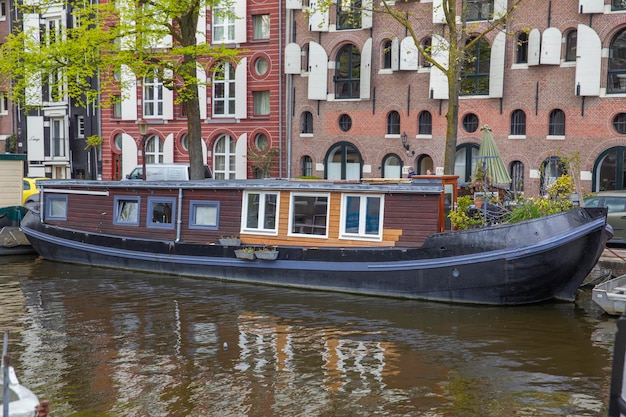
(57, 137)
(56, 207)
(224, 90)
(362, 216)
(204, 214)
(260, 212)
(224, 158)
(152, 96)
(261, 103)
(126, 211)
(80, 126)
(3, 10)
(161, 212)
(223, 24)
(261, 26)
(309, 214)
(154, 150)
(4, 102)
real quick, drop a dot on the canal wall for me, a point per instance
(613, 258)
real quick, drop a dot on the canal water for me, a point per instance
(100, 342)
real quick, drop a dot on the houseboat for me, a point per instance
(364, 237)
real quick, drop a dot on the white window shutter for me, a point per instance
(129, 152)
(241, 89)
(366, 14)
(318, 19)
(591, 6)
(168, 149)
(33, 89)
(395, 54)
(496, 66)
(293, 4)
(438, 14)
(202, 94)
(168, 98)
(240, 21)
(440, 51)
(366, 69)
(129, 93)
(241, 157)
(588, 62)
(408, 54)
(318, 74)
(293, 61)
(534, 47)
(551, 47)
(201, 25)
(499, 8)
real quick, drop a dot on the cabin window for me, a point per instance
(204, 215)
(260, 211)
(126, 211)
(161, 212)
(56, 207)
(361, 217)
(309, 214)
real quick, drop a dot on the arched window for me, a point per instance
(425, 123)
(609, 170)
(521, 48)
(617, 64)
(518, 123)
(475, 72)
(517, 177)
(306, 122)
(184, 142)
(304, 53)
(570, 45)
(392, 166)
(154, 150)
(551, 169)
(557, 123)
(306, 166)
(393, 123)
(348, 72)
(224, 158)
(224, 90)
(343, 162)
(423, 62)
(425, 165)
(386, 54)
(465, 161)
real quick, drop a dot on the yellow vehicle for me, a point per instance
(30, 193)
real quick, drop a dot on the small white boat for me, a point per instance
(22, 401)
(611, 295)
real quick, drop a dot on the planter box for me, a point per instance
(268, 255)
(230, 242)
(244, 254)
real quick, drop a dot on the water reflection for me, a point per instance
(110, 342)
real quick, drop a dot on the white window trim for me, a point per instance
(291, 211)
(362, 223)
(244, 215)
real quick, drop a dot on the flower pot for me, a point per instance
(244, 254)
(268, 255)
(229, 241)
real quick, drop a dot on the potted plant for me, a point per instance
(266, 253)
(245, 253)
(230, 241)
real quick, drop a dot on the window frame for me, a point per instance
(306, 166)
(570, 45)
(479, 6)
(556, 127)
(261, 27)
(521, 48)
(351, 70)
(361, 234)
(51, 201)
(228, 154)
(117, 210)
(306, 123)
(227, 96)
(393, 123)
(518, 123)
(349, 14)
(261, 214)
(313, 225)
(153, 103)
(223, 19)
(193, 204)
(425, 127)
(616, 70)
(476, 70)
(4, 103)
(152, 201)
(261, 102)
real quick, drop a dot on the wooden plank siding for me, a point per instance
(409, 218)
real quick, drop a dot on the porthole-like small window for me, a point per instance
(117, 142)
(345, 122)
(184, 142)
(261, 142)
(470, 122)
(261, 66)
(619, 123)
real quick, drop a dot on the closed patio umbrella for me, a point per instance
(489, 155)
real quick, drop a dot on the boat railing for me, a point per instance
(617, 400)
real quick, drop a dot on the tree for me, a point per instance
(79, 59)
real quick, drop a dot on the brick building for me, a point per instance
(552, 86)
(240, 104)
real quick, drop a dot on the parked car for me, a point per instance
(616, 202)
(30, 192)
(166, 172)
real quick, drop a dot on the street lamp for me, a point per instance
(143, 131)
(405, 142)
